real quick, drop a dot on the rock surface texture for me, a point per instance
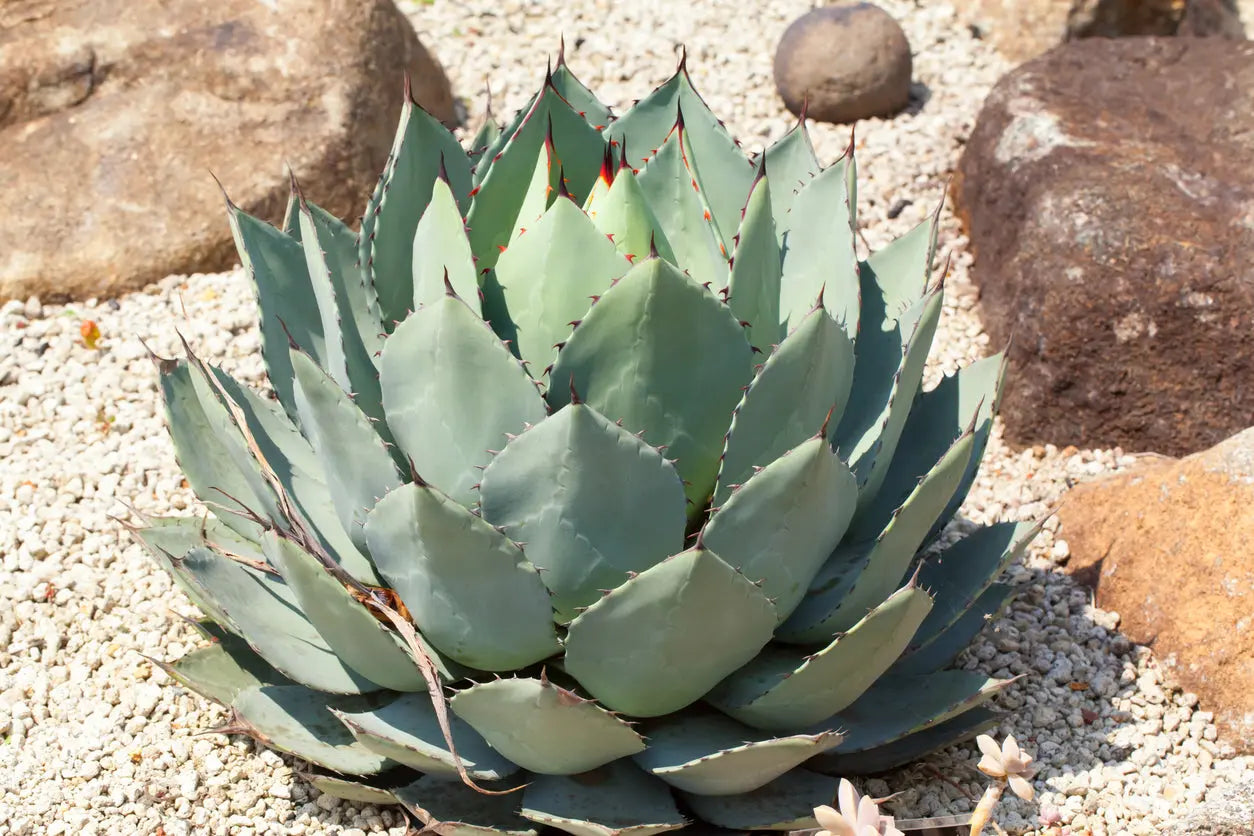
(1023, 29)
(1106, 191)
(1167, 546)
(113, 113)
(843, 63)
(1227, 812)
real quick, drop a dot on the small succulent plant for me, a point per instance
(597, 462)
(1009, 766)
(856, 816)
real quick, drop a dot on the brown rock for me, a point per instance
(1167, 546)
(1023, 29)
(844, 63)
(1107, 194)
(113, 113)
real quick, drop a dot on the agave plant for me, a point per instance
(597, 485)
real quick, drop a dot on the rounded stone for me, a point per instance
(843, 63)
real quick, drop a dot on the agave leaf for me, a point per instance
(899, 706)
(276, 264)
(167, 539)
(357, 465)
(808, 495)
(859, 575)
(907, 749)
(223, 669)
(442, 250)
(793, 165)
(623, 213)
(406, 730)
(421, 149)
(941, 648)
(545, 728)
(691, 613)
(624, 360)
(450, 808)
(264, 612)
(899, 275)
(495, 209)
(296, 720)
(819, 252)
(787, 803)
(355, 635)
(210, 454)
(668, 185)
(785, 689)
(810, 372)
(721, 170)
(292, 460)
(355, 791)
(441, 362)
(966, 399)
(869, 441)
(591, 501)
(578, 96)
(709, 754)
(291, 215)
(472, 594)
(487, 135)
(550, 275)
(756, 269)
(349, 309)
(615, 800)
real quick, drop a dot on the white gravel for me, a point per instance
(96, 740)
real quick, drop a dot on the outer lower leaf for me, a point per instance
(616, 799)
(386, 245)
(407, 731)
(358, 468)
(793, 165)
(787, 803)
(691, 613)
(940, 649)
(669, 186)
(285, 297)
(356, 636)
(453, 393)
(294, 464)
(551, 274)
(859, 576)
(442, 250)
(910, 748)
(472, 594)
(494, 211)
(709, 754)
(450, 808)
(899, 706)
(819, 252)
(263, 611)
(295, 720)
(209, 452)
(804, 381)
(355, 791)
(626, 359)
(808, 497)
(544, 728)
(783, 689)
(622, 212)
(167, 539)
(754, 285)
(223, 669)
(591, 501)
(966, 399)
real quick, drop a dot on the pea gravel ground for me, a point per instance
(96, 739)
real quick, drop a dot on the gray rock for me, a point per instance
(843, 63)
(1228, 812)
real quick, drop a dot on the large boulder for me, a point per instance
(1167, 546)
(114, 112)
(1023, 29)
(1106, 189)
(843, 63)
(1227, 811)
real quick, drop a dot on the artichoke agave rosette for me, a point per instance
(523, 509)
